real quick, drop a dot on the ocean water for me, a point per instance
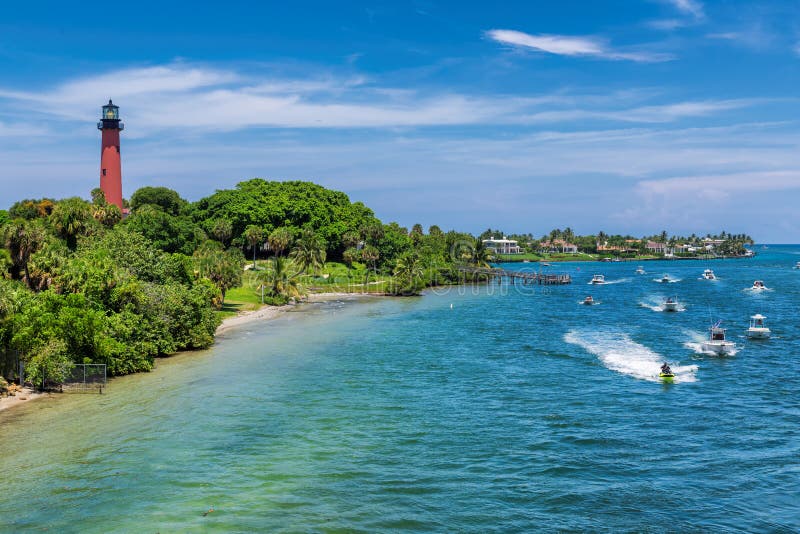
(499, 408)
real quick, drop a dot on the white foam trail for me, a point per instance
(656, 304)
(609, 282)
(618, 352)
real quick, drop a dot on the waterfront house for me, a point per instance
(502, 246)
(656, 247)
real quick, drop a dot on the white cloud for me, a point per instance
(199, 99)
(572, 46)
(721, 186)
(689, 7)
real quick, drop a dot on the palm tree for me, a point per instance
(222, 229)
(278, 281)
(309, 251)
(253, 235)
(22, 238)
(106, 214)
(480, 255)
(279, 240)
(409, 271)
(370, 255)
(70, 218)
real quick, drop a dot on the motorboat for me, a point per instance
(671, 304)
(598, 279)
(758, 285)
(640, 270)
(589, 301)
(716, 342)
(544, 264)
(665, 279)
(796, 265)
(758, 327)
(708, 274)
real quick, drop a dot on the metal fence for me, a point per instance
(86, 378)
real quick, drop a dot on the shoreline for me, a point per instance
(23, 396)
(268, 313)
(265, 313)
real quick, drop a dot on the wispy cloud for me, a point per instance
(564, 45)
(689, 7)
(202, 99)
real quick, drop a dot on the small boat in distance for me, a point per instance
(671, 304)
(796, 265)
(544, 264)
(758, 285)
(758, 328)
(665, 279)
(708, 274)
(598, 279)
(640, 270)
(716, 342)
(589, 301)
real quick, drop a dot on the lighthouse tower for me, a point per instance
(110, 162)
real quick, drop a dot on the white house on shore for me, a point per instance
(502, 246)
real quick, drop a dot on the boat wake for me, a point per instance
(618, 352)
(670, 281)
(609, 282)
(656, 304)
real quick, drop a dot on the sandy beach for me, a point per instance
(26, 395)
(272, 312)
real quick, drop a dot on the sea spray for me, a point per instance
(618, 352)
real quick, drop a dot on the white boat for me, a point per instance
(640, 270)
(758, 327)
(717, 343)
(758, 285)
(671, 304)
(665, 279)
(589, 301)
(708, 274)
(598, 279)
(796, 265)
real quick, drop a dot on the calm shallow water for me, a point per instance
(516, 409)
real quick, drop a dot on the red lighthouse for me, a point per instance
(110, 162)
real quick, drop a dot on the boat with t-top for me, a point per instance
(671, 304)
(665, 279)
(758, 285)
(598, 279)
(708, 274)
(758, 327)
(716, 342)
(589, 301)
(640, 270)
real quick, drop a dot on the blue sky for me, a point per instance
(617, 116)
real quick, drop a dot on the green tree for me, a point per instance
(309, 252)
(279, 240)
(278, 281)
(254, 236)
(168, 200)
(408, 274)
(222, 267)
(70, 218)
(22, 238)
(221, 230)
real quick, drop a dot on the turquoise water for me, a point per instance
(516, 409)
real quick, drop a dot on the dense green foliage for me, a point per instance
(80, 284)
